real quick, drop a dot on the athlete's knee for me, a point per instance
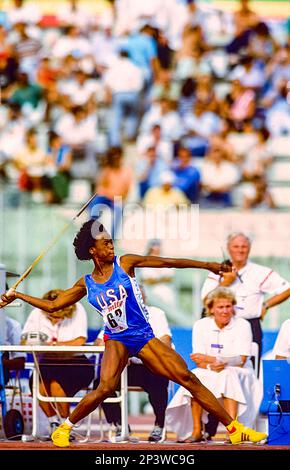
(190, 381)
(184, 376)
(107, 388)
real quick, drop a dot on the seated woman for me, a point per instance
(62, 374)
(222, 350)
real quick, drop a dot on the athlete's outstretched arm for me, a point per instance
(65, 299)
(129, 262)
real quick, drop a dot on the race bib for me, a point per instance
(115, 317)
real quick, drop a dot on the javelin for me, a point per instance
(50, 245)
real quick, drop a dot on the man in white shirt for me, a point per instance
(250, 282)
(139, 375)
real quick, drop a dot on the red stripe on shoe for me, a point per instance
(232, 430)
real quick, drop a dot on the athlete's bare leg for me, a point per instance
(165, 361)
(196, 411)
(231, 406)
(114, 360)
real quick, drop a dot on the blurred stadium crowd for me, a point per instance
(198, 94)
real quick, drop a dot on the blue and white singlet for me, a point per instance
(119, 301)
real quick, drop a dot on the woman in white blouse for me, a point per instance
(222, 349)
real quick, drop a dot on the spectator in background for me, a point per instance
(105, 46)
(5, 46)
(69, 64)
(250, 282)
(257, 194)
(189, 58)
(78, 128)
(218, 177)
(71, 42)
(72, 13)
(123, 81)
(249, 72)
(245, 20)
(53, 107)
(25, 92)
(164, 148)
(262, 45)
(240, 105)
(165, 87)
(241, 142)
(142, 50)
(32, 164)
(139, 375)
(187, 176)
(8, 74)
(205, 92)
(113, 186)
(222, 141)
(221, 350)
(259, 157)
(79, 88)
(24, 13)
(47, 75)
(199, 125)
(278, 68)
(12, 131)
(149, 170)
(164, 113)
(164, 51)
(277, 112)
(27, 50)
(165, 196)
(59, 161)
(187, 96)
(62, 374)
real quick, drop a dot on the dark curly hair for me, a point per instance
(85, 238)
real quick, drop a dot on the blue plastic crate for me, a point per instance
(275, 371)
